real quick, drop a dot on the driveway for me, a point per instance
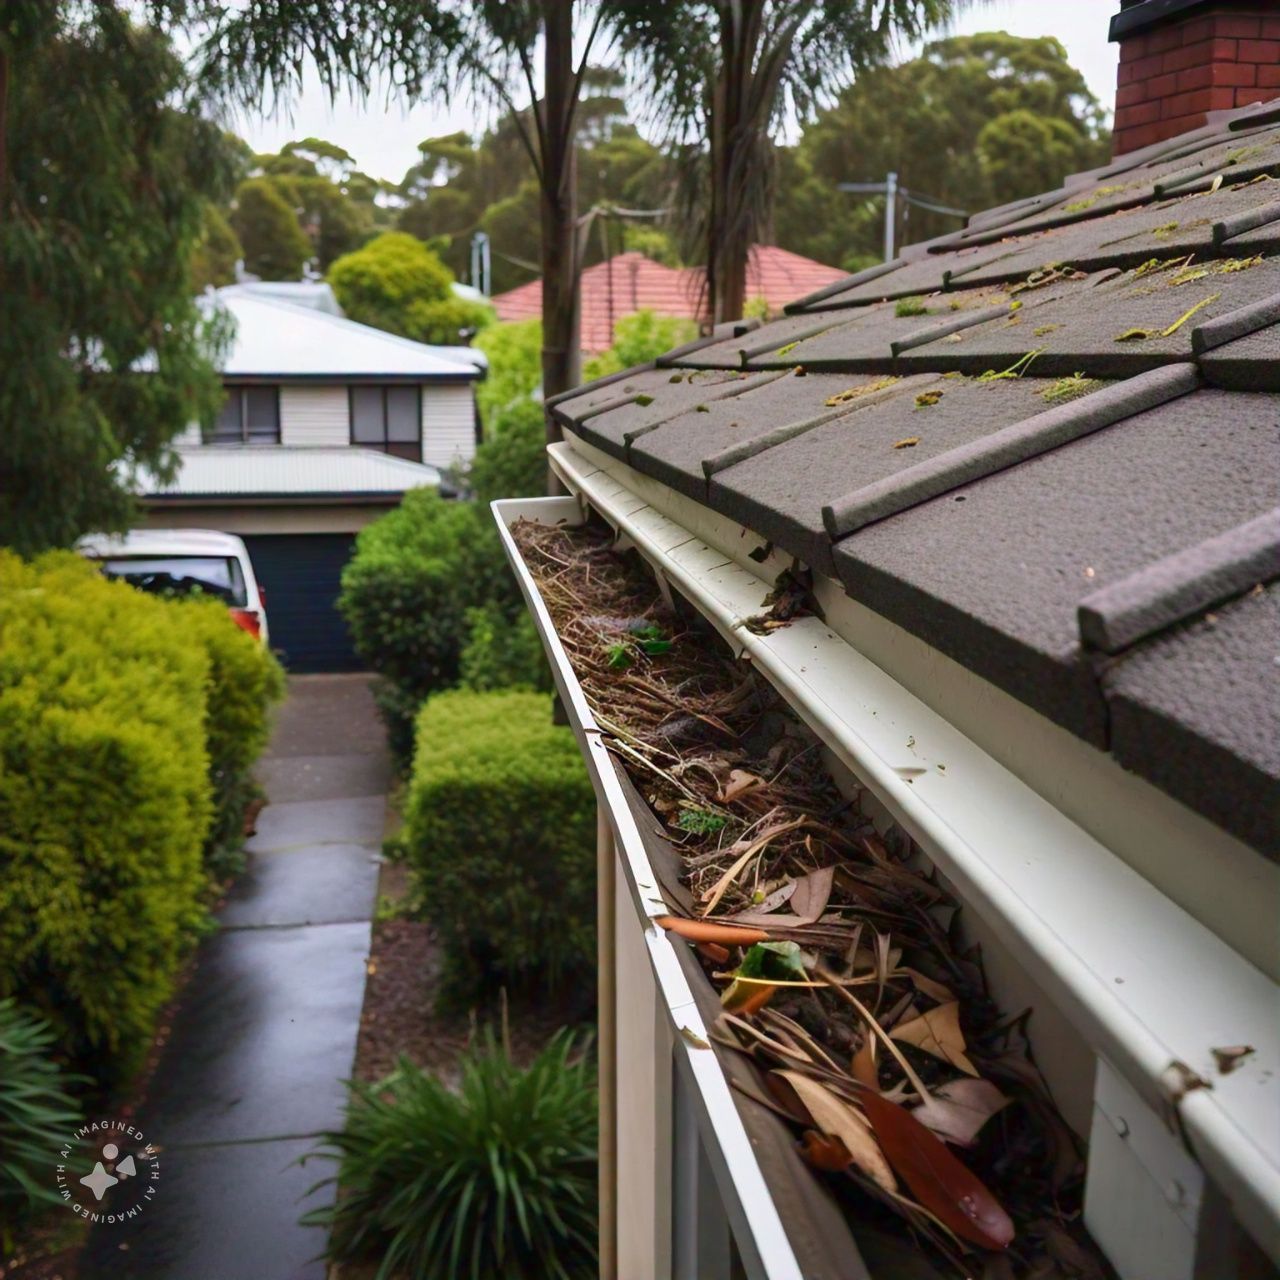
(266, 1030)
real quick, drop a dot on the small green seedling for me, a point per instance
(910, 307)
(701, 822)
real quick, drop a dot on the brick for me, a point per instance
(1152, 65)
(1143, 113)
(1163, 86)
(1267, 51)
(1199, 54)
(1228, 73)
(1129, 95)
(1163, 38)
(1270, 29)
(1246, 96)
(1269, 77)
(1185, 104)
(1236, 28)
(1126, 140)
(1133, 49)
(1195, 30)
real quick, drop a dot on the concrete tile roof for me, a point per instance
(1059, 463)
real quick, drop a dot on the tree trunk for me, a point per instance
(730, 222)
(560, 355)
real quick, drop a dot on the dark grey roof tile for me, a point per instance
(770, 406)
(993, 574)
(866, 338)
(1197, 712)
(603, 416)
(1107, 327)
(1182, 585)
(1250, 363)
(780, 493)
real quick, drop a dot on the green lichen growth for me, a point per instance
(788, 349)
(676, 377)
(644, 400)
(1015, 370)
(1165, 231)
(926, 399)
(701, 408)
(1079, 206)
(856, 393)
(1041, 329)
(911, 307)
(1069, 388)
(1241, 154)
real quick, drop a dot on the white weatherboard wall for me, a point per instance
(314, 415)
(448, 423)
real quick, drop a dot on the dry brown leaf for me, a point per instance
(938, 1032)
(812, 893)
(837, 1119)
(1230, 1057)
(926, 986)
(740, 783)
(828, 1154)
(957, 1111)
(909, 443)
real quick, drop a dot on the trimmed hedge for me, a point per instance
(502, 653)
(109, 699)
(405, 596)
(500, 833)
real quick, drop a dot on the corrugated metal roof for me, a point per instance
(291, 471)
(1069, 430)
(280, 339)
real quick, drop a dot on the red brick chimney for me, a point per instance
(1181, 59)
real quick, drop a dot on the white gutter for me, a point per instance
(1147, 986)
(758, 1227)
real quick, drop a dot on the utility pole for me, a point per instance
(892, 193)
(480, 262)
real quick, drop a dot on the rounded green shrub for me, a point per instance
(405, 596)
(497, 1178)
(37, 1115)
(500, 833)
(502, 652)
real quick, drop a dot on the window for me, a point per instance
(389, 419)
(181, 575)
(251, 415)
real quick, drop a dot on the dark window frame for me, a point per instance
(393, 448)
(240, 390)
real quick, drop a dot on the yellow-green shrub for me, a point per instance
(244, 682)
(500, 832)
(109, 699)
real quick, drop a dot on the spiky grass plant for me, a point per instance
(37, 1115)
(497, 1178)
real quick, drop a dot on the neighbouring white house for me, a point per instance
(327, 423)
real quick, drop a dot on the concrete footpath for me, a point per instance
(266, 1030)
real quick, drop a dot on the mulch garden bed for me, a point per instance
(843, 976)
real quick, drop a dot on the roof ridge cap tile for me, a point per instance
(1235, 324)
(1006, 448)
(1239, 223)
(922, 337)
(1181, 586)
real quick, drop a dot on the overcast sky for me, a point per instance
(383, 137)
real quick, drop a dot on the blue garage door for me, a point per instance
(300, 573)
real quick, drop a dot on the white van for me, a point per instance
(184, 561)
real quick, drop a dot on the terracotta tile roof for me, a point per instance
(631, 282)
(1046, 445)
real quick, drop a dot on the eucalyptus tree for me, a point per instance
(721, 76)
(105, 178)
(505, 53)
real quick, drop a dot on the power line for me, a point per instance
(892, 193)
